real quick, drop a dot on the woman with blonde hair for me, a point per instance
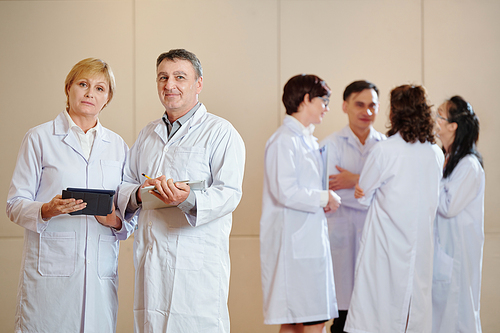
(69, 275)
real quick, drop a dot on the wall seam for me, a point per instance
(134, 69)
(422, 41)
(279, 61)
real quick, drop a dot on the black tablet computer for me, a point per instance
(99, 202)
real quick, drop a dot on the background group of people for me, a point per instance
(398, 246)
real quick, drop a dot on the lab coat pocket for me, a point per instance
(57, 253)
(443, 265)
(190, 252)
(307, 242)
(107, 257)
(111, 172)
(192, 159)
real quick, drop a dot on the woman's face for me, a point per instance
(316, 109)
(444, 129)
(88, 95)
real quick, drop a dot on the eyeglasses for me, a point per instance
(441, 117)
(325, 100)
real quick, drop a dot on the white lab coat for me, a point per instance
(393, 277)
(297, 274)
(69, 277)
(346, 224)
(182, 261)
(458, 253)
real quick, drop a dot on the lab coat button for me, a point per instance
(150, 223)
(150, 247)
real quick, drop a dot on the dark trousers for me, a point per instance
(338, 323)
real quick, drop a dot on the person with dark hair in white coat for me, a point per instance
(297, 274)
(347, 152)
(459, 226)
(400, 184)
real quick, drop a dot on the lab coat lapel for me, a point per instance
(352, 139)
(61, 128)
(161, 130)
(156, 158)
(192, 123)
(292, 125)
(314, 149)
(100, 142)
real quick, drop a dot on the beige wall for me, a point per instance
(248, 50)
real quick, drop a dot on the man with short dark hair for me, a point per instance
(347, 151)
(181, 252)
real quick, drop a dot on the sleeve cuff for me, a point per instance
(188, 206)
(41, 224)
(132, 205)
(323, 198)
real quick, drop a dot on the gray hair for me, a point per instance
(184, 55)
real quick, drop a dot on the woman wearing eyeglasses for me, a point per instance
(459, 225)
(297, 273)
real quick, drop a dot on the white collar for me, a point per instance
(307, 131)
(73, 124)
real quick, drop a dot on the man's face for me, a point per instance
(178, 87)
(361, 109)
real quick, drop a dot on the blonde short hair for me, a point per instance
(90, 67)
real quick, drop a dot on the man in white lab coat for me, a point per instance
(182, 253)
(347, 152)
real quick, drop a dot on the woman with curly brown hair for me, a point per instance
(400, 185)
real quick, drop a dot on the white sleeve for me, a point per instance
(227, 167)
(371, 177)
(281, 173)
(22, 207)
(463, 186)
